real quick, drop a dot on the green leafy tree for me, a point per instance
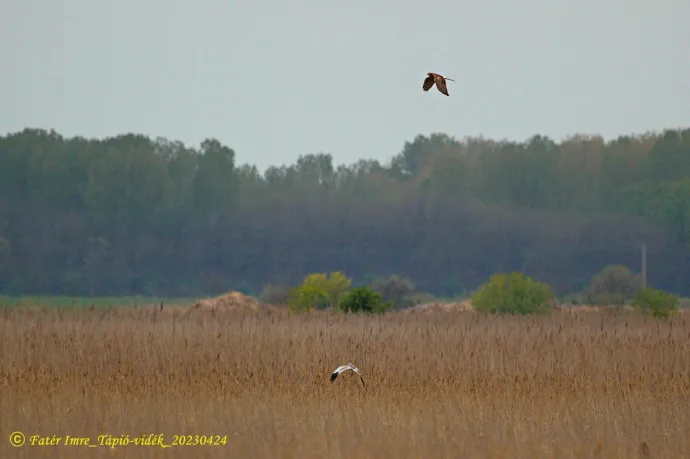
(333, 286)
(660, 303)
(513, 293)
(319, 290)
(365, 300)
(663, 201)
(306, 298)
(215, 183)
(186, 221)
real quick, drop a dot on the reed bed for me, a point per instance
(456, 384)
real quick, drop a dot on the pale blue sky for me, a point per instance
(275, 79)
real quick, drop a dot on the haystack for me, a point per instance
(463, 306)
(232, 301)
(578, 309)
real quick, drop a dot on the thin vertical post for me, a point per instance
(644, 265)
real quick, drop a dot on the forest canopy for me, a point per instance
(136, 215)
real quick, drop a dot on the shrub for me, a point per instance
(307, 297)
(614, 285)
(318, 290)
(662, 304)
(513, 293)
(333, 285)
(394, 289)
(364, 299)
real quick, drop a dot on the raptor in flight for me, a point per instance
(439, 80)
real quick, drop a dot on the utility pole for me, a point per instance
(644, 265)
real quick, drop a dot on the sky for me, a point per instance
(275, 79)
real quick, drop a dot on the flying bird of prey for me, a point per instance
(439, 80)
(344, 368)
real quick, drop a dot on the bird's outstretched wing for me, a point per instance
(441, 84)
(362, 379)
(334, 375)
(428, 83)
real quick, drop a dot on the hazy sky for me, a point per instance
(275, 79)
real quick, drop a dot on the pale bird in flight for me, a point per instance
(439, 80)
(344, 368)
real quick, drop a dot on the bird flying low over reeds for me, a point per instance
(344, 368)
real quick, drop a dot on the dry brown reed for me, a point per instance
(456, 384)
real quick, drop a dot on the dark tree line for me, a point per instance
(134, 215)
